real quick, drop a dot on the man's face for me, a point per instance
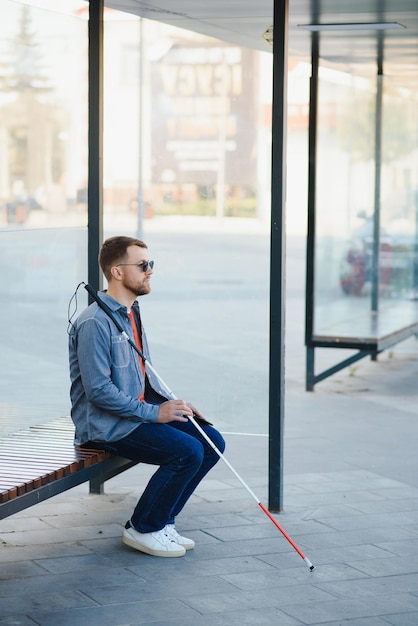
(133, 276)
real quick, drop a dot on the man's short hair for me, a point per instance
(114, 251)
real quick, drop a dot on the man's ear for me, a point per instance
(116, 273)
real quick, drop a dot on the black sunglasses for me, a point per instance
(144, 265)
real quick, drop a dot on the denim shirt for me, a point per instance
(106, 377)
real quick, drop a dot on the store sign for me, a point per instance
(204, 108)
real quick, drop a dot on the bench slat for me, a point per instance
(7, 493)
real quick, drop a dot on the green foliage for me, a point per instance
(207, 207)
(25, 64)
(356, 129)
(238, 201)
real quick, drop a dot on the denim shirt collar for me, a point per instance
(114, 305)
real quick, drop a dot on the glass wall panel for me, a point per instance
(191, 143)
(366, 206)
(399, 194)
(123, 94)
(345, 196)
(43, 175)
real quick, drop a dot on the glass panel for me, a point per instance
(345, 196)
(194, 146)
(366, 208)
(122, 119)
(43, 173)
(399, 197)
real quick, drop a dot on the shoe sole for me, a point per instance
(163, 553)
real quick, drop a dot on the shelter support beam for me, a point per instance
(310, 245)
(278, 253)
(95, 141)
(377, 175)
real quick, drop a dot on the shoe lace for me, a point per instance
(162, 537)
(171, 532)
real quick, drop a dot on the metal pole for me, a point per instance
(377, 180)
(95, 143)
(278, 256)
(310, 243)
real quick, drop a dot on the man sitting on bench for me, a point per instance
(117, 406)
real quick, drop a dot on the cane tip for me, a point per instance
(312, 567)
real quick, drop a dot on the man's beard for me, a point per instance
(143, 290)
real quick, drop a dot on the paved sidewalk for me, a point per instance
(351, 505)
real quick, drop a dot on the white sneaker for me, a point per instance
(172, 534)
(155, 544)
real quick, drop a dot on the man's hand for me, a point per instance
(195, 411)
(198, 415)
(174, 411)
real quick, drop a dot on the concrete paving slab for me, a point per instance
(21, 569)
(186, 587)
(352, 608)
(401, 548)
(53, 601)
(405, 619)
(127, 613)
(255, 617)
(259, 599)
(373, 586)
(14, 620)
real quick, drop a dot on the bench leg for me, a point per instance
(114, 467)
(310, 368)
(96, 486)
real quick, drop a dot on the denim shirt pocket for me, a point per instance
(121, 351)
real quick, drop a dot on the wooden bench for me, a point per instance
(41, 461)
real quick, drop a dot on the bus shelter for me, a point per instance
(73, 115)
(361, 271)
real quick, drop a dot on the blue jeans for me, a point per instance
(184, 458)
